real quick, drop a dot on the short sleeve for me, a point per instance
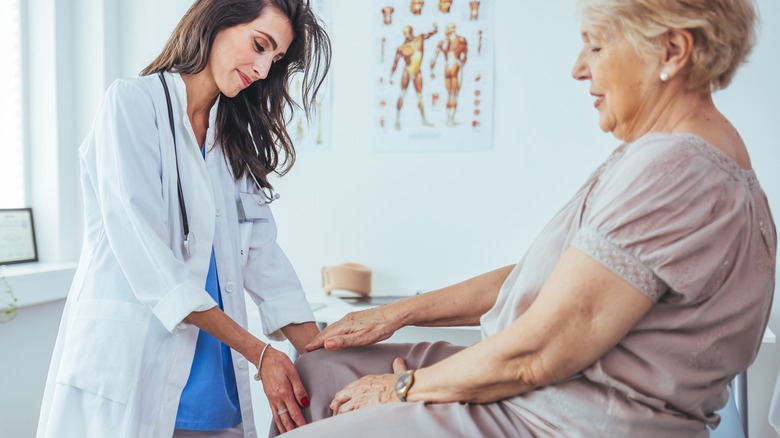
(664, 218)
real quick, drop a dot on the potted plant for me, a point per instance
(8, 300)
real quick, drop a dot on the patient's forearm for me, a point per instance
(461, 304)
(482, 373)
(583, 310)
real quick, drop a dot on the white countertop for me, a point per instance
(329, 309)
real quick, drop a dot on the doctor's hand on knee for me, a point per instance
(369, 391)
(356, 329)
(284, 390)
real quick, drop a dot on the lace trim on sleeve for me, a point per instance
(620, 262)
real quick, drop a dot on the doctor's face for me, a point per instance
(243, 54)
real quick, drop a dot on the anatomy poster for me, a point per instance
(434, 75)
(312, 134)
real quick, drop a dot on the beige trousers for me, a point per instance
(325, 372)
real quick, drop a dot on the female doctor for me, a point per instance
(153, 339)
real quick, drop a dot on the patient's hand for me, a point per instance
(365, 327)
(368, 391)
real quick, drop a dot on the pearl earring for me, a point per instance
(664, 76)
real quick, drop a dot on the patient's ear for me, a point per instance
(676, 46)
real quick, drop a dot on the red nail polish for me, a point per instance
(305, 402)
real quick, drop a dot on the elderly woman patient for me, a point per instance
(638, 303)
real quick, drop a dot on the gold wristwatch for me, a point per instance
(403, 384)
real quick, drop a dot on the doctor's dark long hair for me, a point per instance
(256, 115)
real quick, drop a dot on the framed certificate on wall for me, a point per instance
(17, 236)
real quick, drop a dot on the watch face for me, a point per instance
(402, 382)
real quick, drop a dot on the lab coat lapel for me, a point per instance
(195, 179)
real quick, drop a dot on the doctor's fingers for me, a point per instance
(290, 415)
(286, 412)
(287, 417)
(283, 417)
(281, 380)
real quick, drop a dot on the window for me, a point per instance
(12, 166)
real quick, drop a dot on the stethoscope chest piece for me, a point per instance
(189, 245)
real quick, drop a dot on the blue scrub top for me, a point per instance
(210, 398)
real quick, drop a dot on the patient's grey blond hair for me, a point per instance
(724, 31)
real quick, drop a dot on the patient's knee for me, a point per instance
(308, 360)
(313, 363)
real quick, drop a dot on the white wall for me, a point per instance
(420, 221)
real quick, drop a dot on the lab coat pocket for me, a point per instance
(246, 237)
(104, 348)
(255, 221)
(253, 207)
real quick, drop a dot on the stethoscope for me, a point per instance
(189, 239)
(269, 194)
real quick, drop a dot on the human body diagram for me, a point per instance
(411, 52)
(454, 49)
(445, 57)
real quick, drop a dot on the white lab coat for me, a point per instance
(123, 353)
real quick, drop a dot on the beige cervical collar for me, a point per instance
(347, 276)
